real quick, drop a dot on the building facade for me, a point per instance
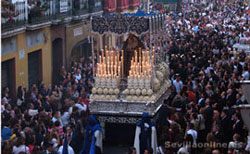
(38, 39)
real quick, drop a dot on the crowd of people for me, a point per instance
(205, 69)
(42, 117)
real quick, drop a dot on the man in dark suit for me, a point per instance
(217, 134)
(230, 97)
(226, 126)
(238, 125)
(48, 148)
(7, 112)
(208, 116)
(75, 138)
(238, 99)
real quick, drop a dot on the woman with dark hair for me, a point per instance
(20, 96)
(20, 146)
(187, 148)
(7, 148)
(5, 95)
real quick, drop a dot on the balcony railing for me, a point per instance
(97, 7)
(13, 15)
(80, 7)
(22, 14)
(41, 13)
(61, 9)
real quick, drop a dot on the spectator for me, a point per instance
(20, 146)
(191, 131)
(178, 83)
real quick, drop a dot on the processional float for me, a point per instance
(128, 82)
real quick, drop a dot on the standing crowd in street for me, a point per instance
(43, 116)
(205, 70)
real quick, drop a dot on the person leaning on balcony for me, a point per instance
(8, 11)
(38, 10)
(30, 5)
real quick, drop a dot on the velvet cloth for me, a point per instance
(109, 6)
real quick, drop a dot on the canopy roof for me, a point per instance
(136, 23)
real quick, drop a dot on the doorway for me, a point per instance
(57, 59)
(8, 76)
(35, 67)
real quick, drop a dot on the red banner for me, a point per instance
(134, 3)
(109, 6)
(122, 5)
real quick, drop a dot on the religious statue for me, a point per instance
(131, 44)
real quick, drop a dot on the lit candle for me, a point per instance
(108, 70)
(153, 51)
(106, 53)
(108, 60)
(113, 55)
(116, 60)
(100, 69)
(111, 67)
(140, 61)
(100, 59)
(122, 63)
(139, 69)
(140, 52)
(102, 53)
(118, 55)
(109, 55)
(105, 70)
(97, 69)
(104, 60)
(119, 71)
(135, 56)
(132, 73)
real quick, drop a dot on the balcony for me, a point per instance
(61, 11)
(80, 9)
(13, 18)
(97, 9)
(39, 15)
(85, 8)
(20, 16)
